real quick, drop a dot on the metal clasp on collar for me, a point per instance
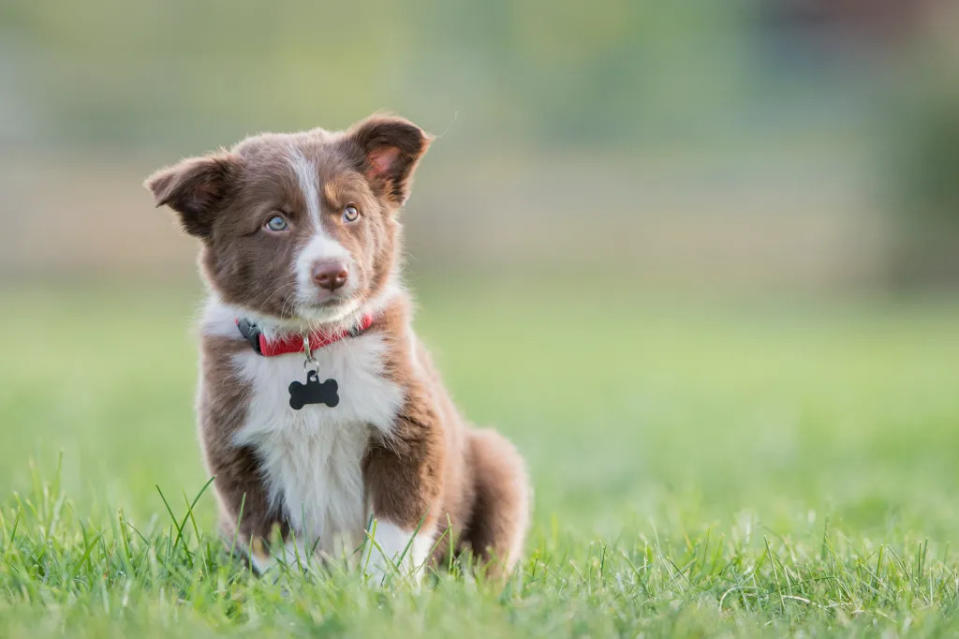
(310, 361)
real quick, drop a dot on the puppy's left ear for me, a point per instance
(386, 149)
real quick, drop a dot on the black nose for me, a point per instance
(330, 275)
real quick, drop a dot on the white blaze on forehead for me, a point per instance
(320, 245)
(307, 178)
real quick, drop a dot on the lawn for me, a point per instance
(702, 466)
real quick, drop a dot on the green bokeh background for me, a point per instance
(699, 260)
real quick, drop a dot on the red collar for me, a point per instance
(293, 343)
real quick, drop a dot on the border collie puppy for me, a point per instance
(320, 412)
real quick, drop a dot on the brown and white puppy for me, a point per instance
(300, 237)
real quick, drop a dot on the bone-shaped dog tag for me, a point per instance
(313, 392)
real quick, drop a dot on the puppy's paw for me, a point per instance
(292, 555)
(392, 550)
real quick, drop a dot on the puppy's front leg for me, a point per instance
(404, 477)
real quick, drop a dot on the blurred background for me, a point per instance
(643, 225)
(806, 143)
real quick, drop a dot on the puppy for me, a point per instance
(320, 412)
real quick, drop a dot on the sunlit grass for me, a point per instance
(701, 467)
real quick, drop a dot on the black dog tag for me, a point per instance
(313, 392)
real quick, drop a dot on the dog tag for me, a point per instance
(313, 392)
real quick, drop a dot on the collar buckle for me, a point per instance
(251, 333)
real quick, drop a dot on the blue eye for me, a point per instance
(276, 223)
(350, 213)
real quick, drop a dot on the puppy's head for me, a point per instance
(298, 226)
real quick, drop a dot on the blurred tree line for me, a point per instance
(921, 165)
(555, 73)
(608, 77)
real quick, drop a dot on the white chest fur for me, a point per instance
(312, 456)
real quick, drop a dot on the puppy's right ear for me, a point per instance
(196, 188)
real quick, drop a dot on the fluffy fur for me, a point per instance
(271, 213)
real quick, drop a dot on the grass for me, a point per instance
(702, 468)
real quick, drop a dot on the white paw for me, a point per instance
(294, 555)
(390, 551)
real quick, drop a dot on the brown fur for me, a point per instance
(240, 491)
(432, 469)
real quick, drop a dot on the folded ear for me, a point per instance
(196, 188)
(387, 149)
